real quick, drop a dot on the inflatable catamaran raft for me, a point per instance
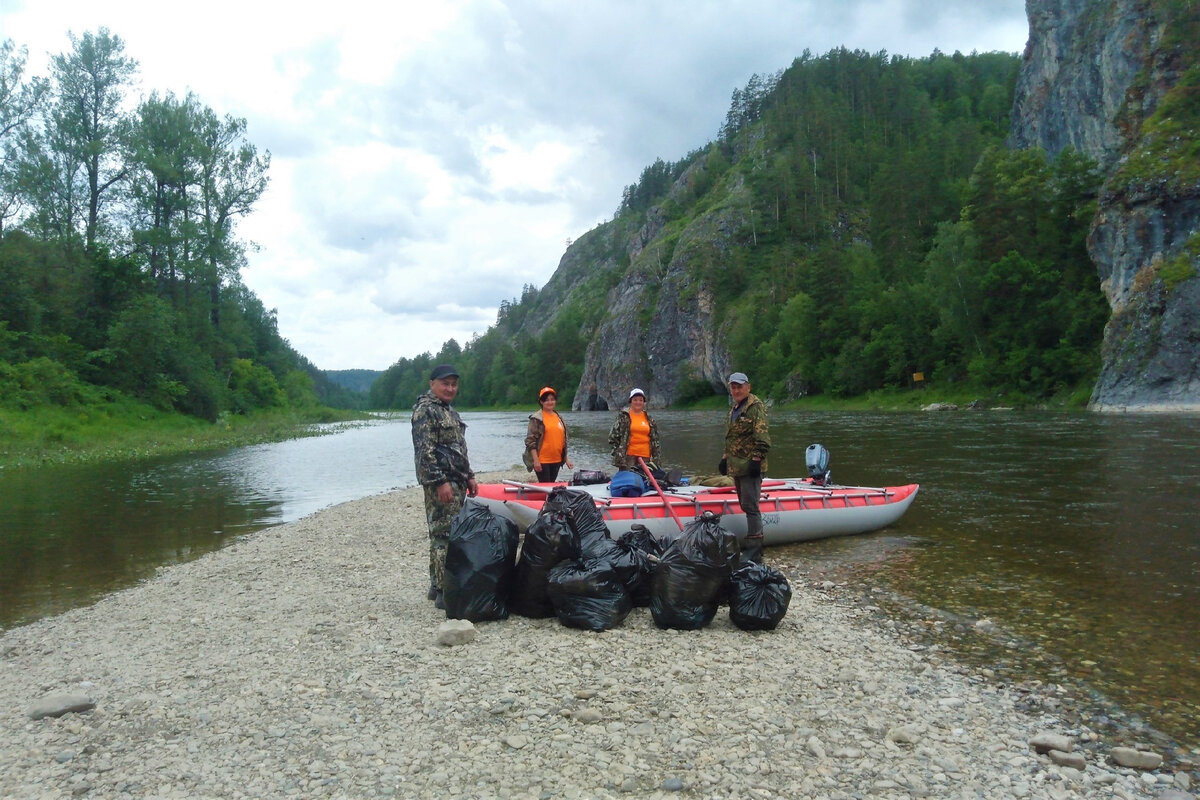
(793, 509)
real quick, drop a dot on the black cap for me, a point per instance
(443, 371)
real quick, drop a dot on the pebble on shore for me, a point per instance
(306, 661)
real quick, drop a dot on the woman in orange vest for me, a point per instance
(634, 434)
(546, 439)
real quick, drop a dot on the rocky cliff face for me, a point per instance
(1096, 77)
(659, 333)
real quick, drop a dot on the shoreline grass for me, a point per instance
(125, 430)
(121, 429)
(1075, 399)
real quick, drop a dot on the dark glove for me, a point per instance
(723, 467)
(754, 469)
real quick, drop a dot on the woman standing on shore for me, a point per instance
(634, 435)
(546, 439)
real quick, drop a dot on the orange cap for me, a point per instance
(545, 391)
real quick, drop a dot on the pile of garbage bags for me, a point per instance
(569, 567)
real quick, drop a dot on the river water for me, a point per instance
(1075, 535)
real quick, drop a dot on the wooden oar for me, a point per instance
(661, 494)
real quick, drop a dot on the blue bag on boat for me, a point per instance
(627, 484)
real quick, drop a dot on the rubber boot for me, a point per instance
(439, 601)
(752, 549)
(433, 592)
(752, 545)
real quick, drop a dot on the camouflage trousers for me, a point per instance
(439, 516)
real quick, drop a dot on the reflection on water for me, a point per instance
(70, 534)
(1075, 534)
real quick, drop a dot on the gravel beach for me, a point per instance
(304, 661)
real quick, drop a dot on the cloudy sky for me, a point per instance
(431, 158)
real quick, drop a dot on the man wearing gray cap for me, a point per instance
(443, 469)
(747, 441)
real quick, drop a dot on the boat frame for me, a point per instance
(792, 510)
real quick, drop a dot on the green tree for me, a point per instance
(252, 386)
(140, 346)
(953, 281)
(233, 176)
(89, 86)
(20, 99)
(163, 149)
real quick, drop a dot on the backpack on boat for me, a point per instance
(664, 479)
(627, 483)
(587, 477)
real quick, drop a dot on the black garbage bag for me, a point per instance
(601, 547)
(635, 569)
(548, 541)
(588, 594)
(480, 564)
(641, 537)
(583, 516)
(758, 597)
(691, 577)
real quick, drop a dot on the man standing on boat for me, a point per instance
(747, 441)
(443, 470)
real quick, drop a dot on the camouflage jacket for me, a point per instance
(439, 443)
(747, 437)
(618, 438)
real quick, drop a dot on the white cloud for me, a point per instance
(430, 159)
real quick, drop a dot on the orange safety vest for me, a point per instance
(553, 441)
(639, 435)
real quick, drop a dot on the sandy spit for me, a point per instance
(302, 661)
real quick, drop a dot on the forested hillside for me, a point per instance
(119, 255)
(857, 220)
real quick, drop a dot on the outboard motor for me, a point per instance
(816, 458)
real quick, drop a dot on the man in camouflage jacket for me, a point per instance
(443, 469)
(747, 441)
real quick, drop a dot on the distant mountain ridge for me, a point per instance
(356, 380)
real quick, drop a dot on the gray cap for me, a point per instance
(443, 371)
(738, 377)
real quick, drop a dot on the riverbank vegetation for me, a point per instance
(124, 324)
(51, 417)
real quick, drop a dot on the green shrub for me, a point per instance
(40, 382)
(253, 386)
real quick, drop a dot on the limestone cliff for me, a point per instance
(1118, 80)
(660, 326)
(657, 330)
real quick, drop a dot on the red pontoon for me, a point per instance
(793, 510)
